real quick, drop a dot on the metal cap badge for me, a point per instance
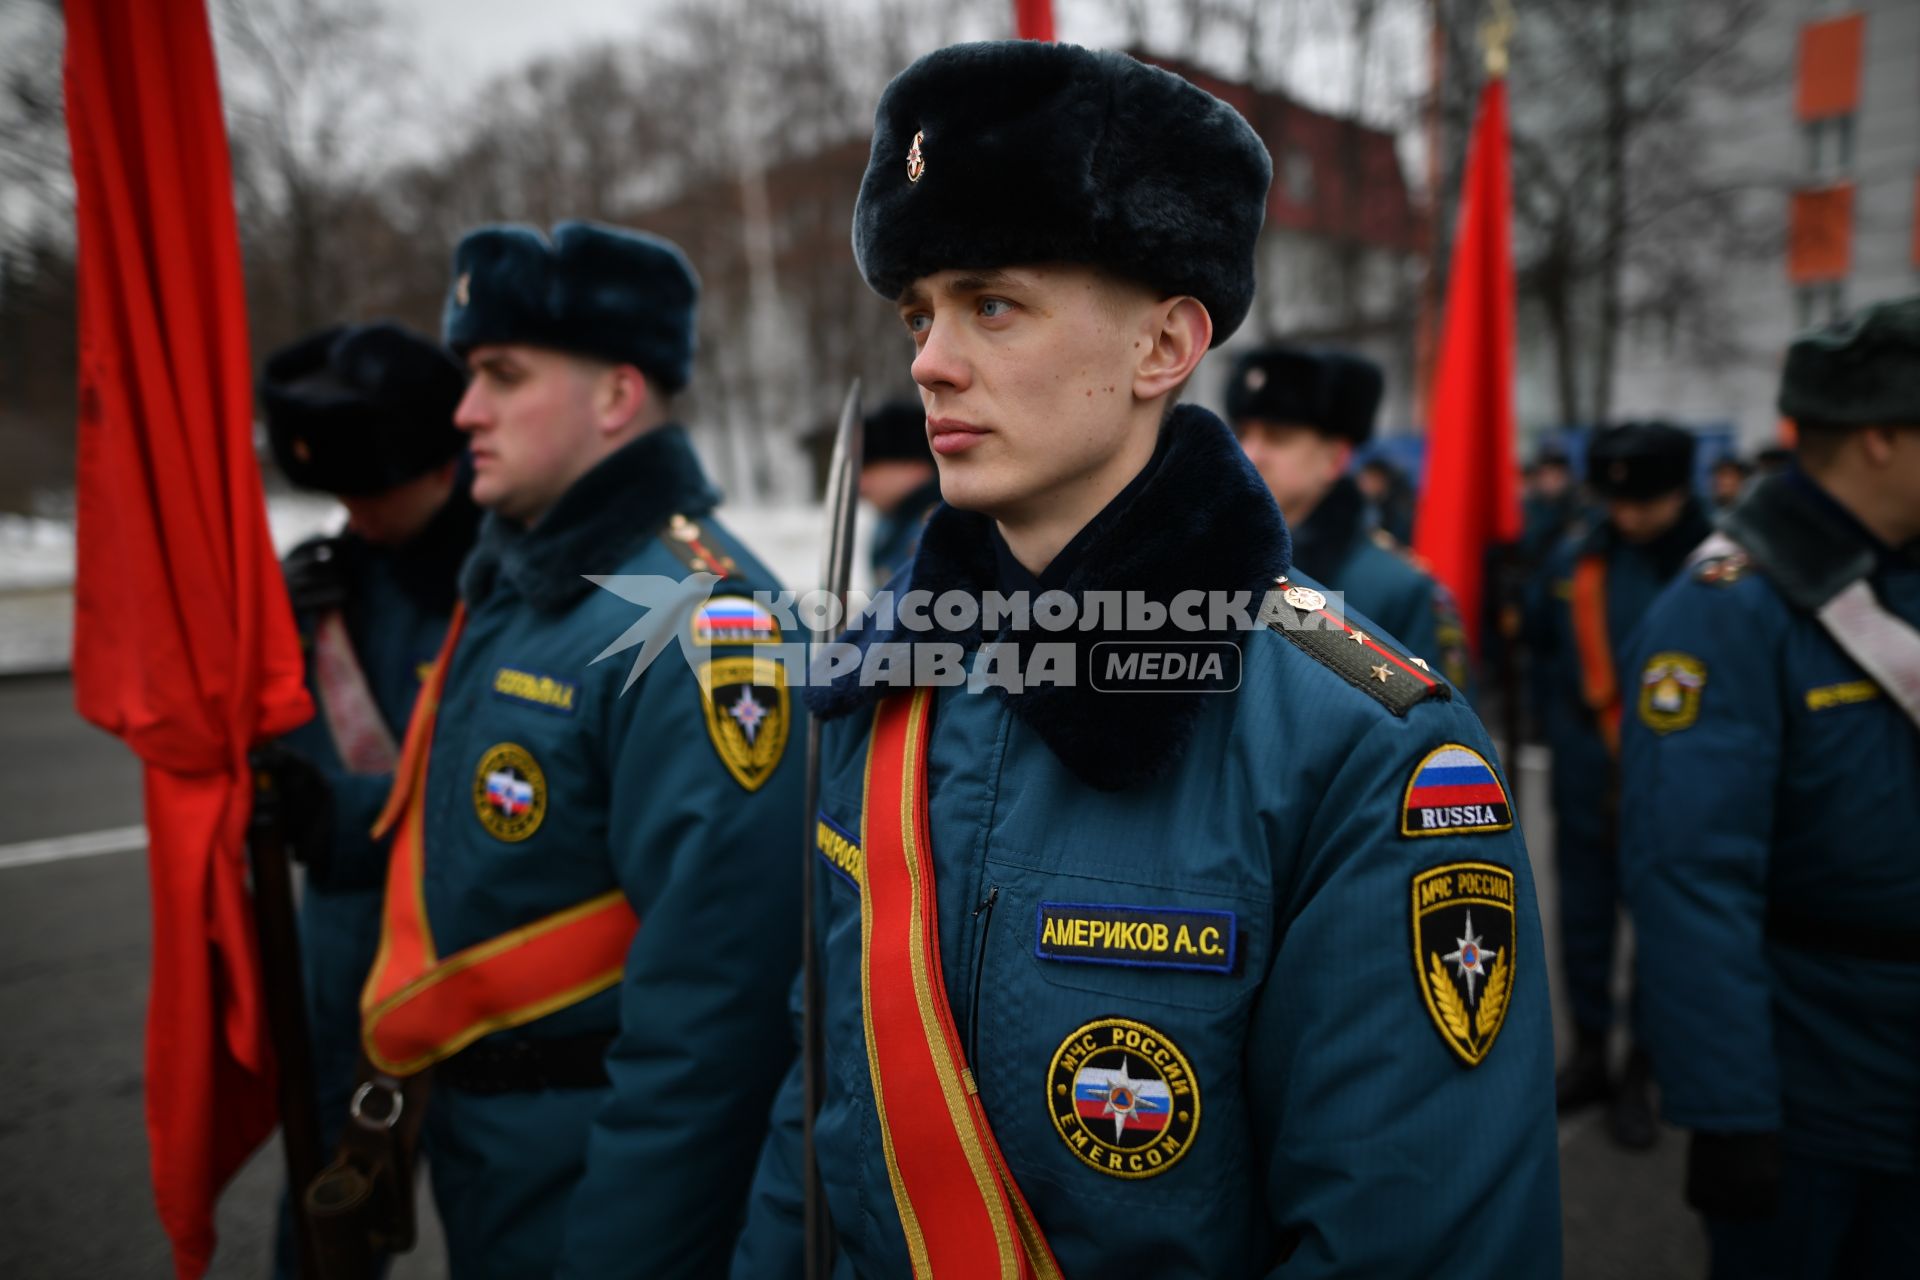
(916, 161)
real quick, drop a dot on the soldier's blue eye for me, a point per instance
(988, 307)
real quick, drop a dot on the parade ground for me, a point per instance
(74, 1195)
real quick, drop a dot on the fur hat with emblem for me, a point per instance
(1016, 152)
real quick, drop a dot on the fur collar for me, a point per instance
(1203, 521)
(622, 502)
(1808, 544)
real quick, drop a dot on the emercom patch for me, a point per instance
(1138, 937)
(1464, 953)
(1670, 689)
(1454, 791)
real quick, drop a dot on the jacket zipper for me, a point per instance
(984, 914)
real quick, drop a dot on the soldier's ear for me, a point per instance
(1179, 331)
(1882, 444)
(624, 395)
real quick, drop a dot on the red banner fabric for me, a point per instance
(1471, 498)
(1033, 19)
(183, 641)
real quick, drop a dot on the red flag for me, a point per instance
(1471, 499)
(183, 641)
(1033, 19)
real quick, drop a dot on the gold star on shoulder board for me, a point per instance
(1358, 637)
(1381, 672)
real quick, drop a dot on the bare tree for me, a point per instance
(311, 89)
(1616, 220)
(37, 302)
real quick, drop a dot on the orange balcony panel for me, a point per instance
(1820, 234)
(1916, 221)
(1830, 67)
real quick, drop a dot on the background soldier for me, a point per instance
(897, 476)
(1299, 414)
(1386, 486)
(364, 413)
(1773, 760)
(1601, 583)
(597, 950)
(1728, 480)
(1125, 985)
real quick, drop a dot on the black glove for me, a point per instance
(1735, 1176)
(316, 573)
(303, 801)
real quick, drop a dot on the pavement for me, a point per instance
(74, 1195)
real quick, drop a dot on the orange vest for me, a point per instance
(962, 1212)
(1599, 686)
(417, 1007)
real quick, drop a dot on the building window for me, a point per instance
(1821, 303)
(1829, 147)
(1296, 173)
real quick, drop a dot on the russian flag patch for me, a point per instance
(734, 620)
(1454, 791)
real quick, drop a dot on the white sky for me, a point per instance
(465, 42)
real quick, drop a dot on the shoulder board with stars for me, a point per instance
(1394, 679)
(1722, 570)
(695, 547)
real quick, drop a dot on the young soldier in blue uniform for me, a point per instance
(1238, 980)
(1300, 413)
(365, 413)
(1772, 769)
(898, 478)
(590, 928)
(1599, 586)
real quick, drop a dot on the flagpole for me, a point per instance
(284, 993)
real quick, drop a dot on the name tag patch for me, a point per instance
(541, 691)
(1138, 937)
(840, 847)
(1828, 696)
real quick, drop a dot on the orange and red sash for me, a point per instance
(961, 1209)
(418, 1008)
(1599, 686)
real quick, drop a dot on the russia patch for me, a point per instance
(1454, 791)
(1136, 937)
(734, 620)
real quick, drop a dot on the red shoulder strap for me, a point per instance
(962, 1211)
(1598, 683)
(418, 1008)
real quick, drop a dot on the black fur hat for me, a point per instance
(1863, 371)
(1640, 460)
(593, 290)
(1016, 151)
(356, 409)
(897, 431)
(1333, 392)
